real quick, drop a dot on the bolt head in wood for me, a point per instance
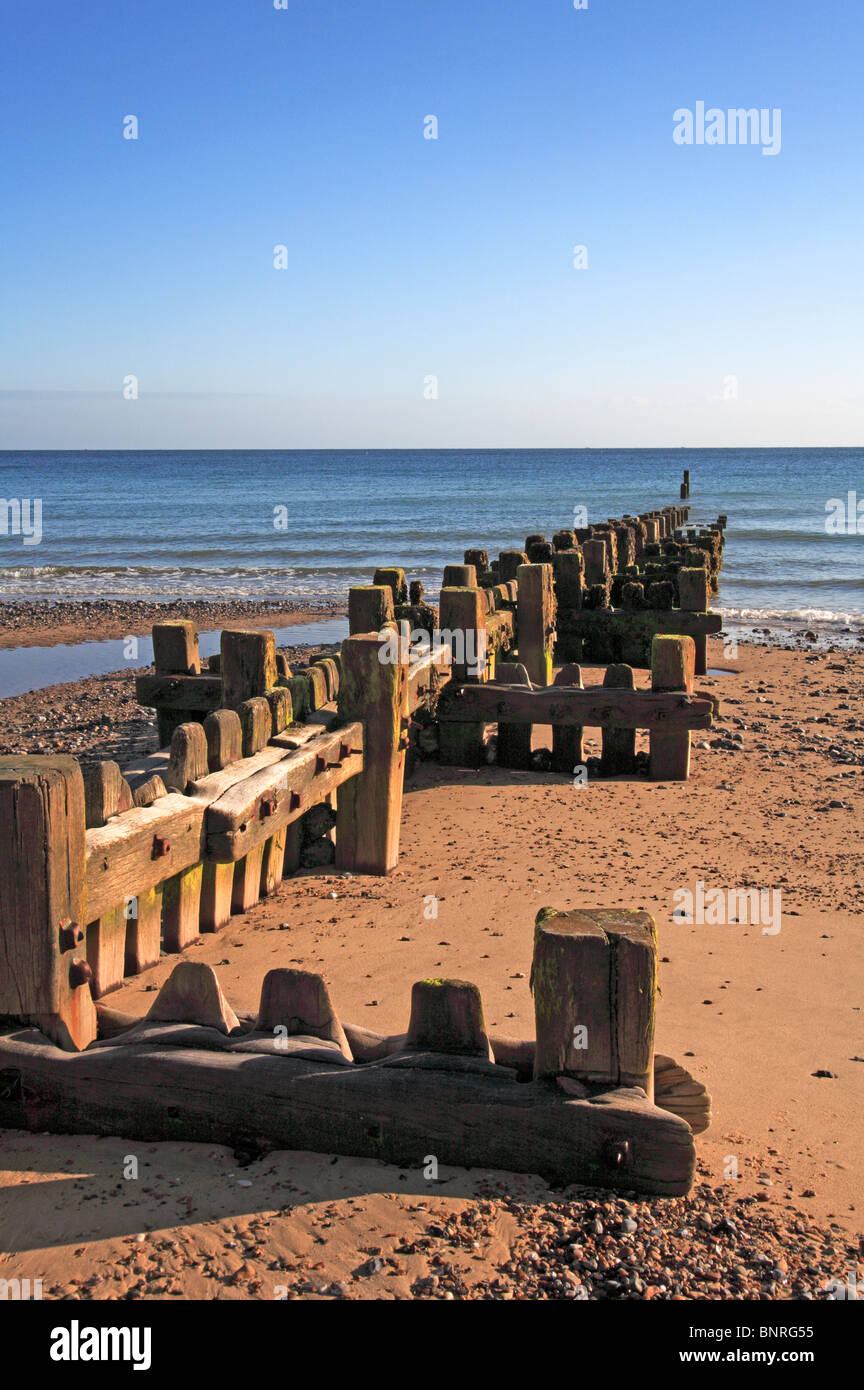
(80, 973)
(70, 935)
(161, 846)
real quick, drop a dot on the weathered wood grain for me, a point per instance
(43, 973)
(397, 1110)
(596, 706)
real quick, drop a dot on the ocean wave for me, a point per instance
(823, 617)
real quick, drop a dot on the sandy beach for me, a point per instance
(771, 1023)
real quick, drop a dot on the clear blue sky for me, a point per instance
(410, 258)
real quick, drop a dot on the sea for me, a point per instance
(309, 524)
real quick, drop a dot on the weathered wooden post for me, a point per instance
(45, 976)
(393, 576)
(463, 624)
(459, 577)
(106, 795)
(175, 653)
(181, 894)
(567, 751)
(447, 1017)
(370, 608)
(673, 661)
(224, 736)
(514, 740)
(693, 596)
(596, 557)
(374, 690)
(248, 665)
(508, 564)
(594, 980)
(535, 619)
(619, 745)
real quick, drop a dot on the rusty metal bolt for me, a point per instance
(70, 936)
(294, 802)
(320, 763)
(161, 846)
(79, 973)
(268, 805)
(618, 1153)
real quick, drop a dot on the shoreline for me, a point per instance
(52, 622)
(68, 622)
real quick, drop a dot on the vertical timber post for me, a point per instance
(175, 653)
(693, 594)
(43, 891)
(462, 622)
(673, 661)
(594, 980)
(374, 690)
(535, 617)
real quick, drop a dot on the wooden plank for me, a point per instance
(370, 805)
(141, 848)
(106, 795)
(299, 1002)
(594, 707)
(224, 734)
(144, 931)
(275, 797)
(44, 977)
(217, 890)
(106, 950)
(179, 692)
(297, 735)
(181, 901)
(675, 620)
(464, 1110)
(273, 862)
(246, 890)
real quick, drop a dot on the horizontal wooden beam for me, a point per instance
(427, 676)
(179, 692)
(255, 809)
(679, 622)
(597, 706)
(470, 1112)
(142, 847)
